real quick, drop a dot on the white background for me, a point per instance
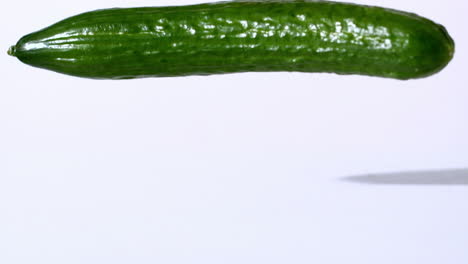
(242, 168)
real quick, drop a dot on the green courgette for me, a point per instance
(240, 36)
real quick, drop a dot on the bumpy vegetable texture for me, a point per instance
(240, 36)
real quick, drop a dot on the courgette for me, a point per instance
(240, 36)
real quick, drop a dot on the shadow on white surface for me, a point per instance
(423, 177)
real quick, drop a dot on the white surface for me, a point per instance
(242, 168)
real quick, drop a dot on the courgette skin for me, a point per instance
(240, 36)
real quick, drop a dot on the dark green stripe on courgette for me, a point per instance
(240, 36)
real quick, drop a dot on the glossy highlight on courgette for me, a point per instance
(240, 36)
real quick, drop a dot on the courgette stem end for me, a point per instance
(12, 51)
